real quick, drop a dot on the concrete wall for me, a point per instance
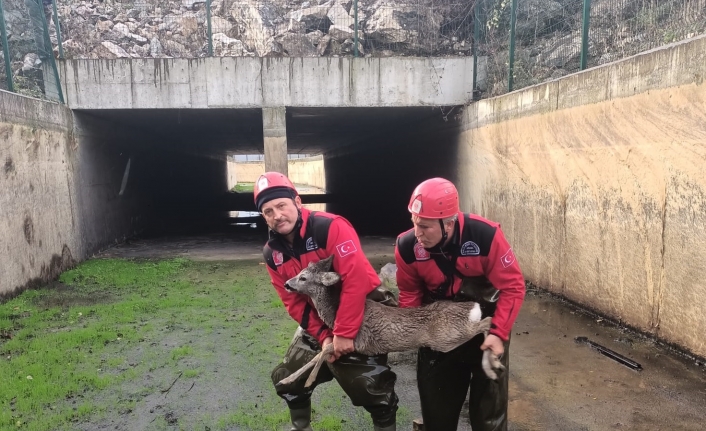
(58, 190)
(598, 181)
(39, 232)
(245, 82)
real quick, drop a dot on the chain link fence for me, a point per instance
(517, 43)
(28, 33)
(553, 38)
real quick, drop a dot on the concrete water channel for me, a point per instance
(555, 382)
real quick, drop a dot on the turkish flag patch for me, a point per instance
(277, 258)
(345, 248)
(508, 258)
(420, 253)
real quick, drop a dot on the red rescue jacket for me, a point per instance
(481, 249)
(319, 236)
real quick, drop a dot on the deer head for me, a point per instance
(314, 278)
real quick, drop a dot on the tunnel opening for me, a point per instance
(167, 171)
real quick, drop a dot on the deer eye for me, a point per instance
(302, 278)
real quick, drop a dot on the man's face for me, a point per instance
(427, 231)
(281, 214)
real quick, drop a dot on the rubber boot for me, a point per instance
(392, 427)
(301, 419)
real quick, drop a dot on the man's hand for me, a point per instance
(341, 346)
(494, 343)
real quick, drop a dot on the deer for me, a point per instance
(442, 325)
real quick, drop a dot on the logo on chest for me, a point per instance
(470, 248)
(311, 245)
(420, 253)
(277, 257)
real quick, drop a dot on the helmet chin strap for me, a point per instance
(440, 244)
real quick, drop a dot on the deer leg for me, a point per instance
(323, 356)
(318, 359)
(491, 364)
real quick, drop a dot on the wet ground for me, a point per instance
(555, 382)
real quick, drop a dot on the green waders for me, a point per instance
(367, 380)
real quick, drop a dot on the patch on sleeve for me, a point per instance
(277, 257)
(420, 253)
(508, 258)
(346, 247)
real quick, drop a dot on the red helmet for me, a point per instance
(272, 185)
(435, 198)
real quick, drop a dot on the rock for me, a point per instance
(315, 36)
(224, 46)
(297, 45)
(187, 24)
(339, 16)
(109, 49)
(322, 47)
(220, 25)
(73, 48)
(30, 61)
(415, 28)
(140, 51)
(189, 4)
(175, 49)
(104, 26)
(255, 27)
(156, 49)
(343, 33)
(314, 18)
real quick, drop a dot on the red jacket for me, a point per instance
(321, 235)
(481, 250)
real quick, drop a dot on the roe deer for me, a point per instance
(442, 325)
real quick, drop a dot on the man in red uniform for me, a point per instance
(449, 255)
(297, 237)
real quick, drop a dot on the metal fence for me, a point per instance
(547, 39)
(516, 42)
(28, 33)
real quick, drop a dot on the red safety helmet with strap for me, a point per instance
(272, 185)
(435, 198)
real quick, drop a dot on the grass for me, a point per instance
(243, 188)
(153, 345)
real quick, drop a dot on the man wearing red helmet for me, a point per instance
(298, 237)
(449, 255)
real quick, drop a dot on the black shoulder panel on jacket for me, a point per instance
(318, 228)
(478, 232)
(405, 245)
(267, 254)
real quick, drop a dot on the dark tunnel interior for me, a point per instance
(166, 170)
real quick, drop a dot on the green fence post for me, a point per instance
(474, 47)
(584, 33)
(355, 28)
(52, 60)
(209, 30)
(513, 21)
(58, 30)
(5, 49)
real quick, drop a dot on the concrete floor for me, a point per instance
(556, 383)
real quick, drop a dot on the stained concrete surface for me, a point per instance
(555, 383)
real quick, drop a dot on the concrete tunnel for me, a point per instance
(176, 181)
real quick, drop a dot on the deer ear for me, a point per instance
(325, 264)
(330, 278)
